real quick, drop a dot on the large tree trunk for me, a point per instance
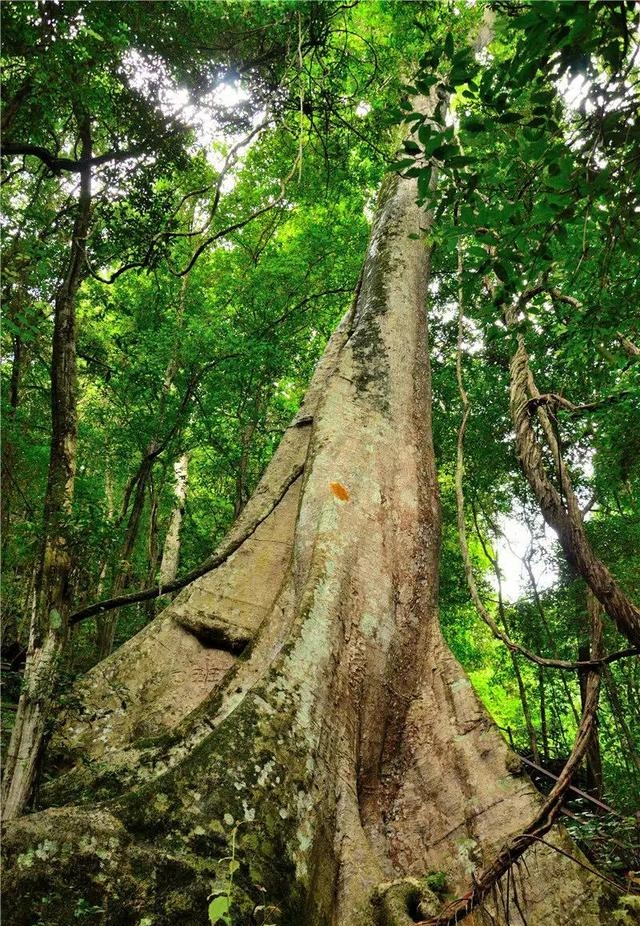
(344, 738)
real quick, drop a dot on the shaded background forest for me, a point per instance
(225, 160)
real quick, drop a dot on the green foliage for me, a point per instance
(214, 362)
(436, 881)
(538, 184)
(224, 901)
(84, 909)
(219, 909)
(627, 910)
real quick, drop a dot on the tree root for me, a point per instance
(405, 902)
(222, 554)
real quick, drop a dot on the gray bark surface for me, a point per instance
(171, 549)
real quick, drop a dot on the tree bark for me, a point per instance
(344, 749)
(171, 549)
(49, 625)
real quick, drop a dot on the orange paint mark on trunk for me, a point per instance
(339, 491)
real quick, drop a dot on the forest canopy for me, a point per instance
(188, 195)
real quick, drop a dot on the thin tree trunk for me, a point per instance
(344, 755)
(620, 718)
(108, 494)
(522, 692)
(9, 468)
(9, 615)
(49, 630)
(107, 623)
(526, 712)
(592, 644)
(240, 497)
(545, 624)
(543, 714)
(171, 549)
(8, 457)
(154, 552)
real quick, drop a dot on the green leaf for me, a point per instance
(459, 75)
(400, 165)
(545, 252)
(501, 271)
(233, 866)
(445, 151)
(424, 180)
(460, 160)
(473, 182)
(219, 910)
(473, 125)
(411, 146)
(424, 133)
(509, 117)
(448, 45)
(425, 82)
(93, 34)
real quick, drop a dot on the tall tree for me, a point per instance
(294, 724)
(344, 756)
